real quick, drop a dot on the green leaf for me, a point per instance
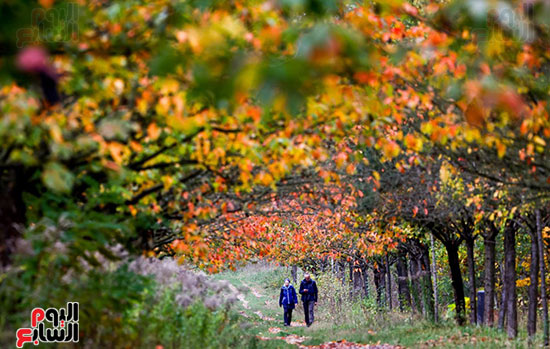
(57, 178)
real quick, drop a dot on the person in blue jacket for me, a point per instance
(308, 290)
(287, 300)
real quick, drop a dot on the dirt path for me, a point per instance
(343, 344)
(253, 290)
(349, 345)
(263, 317)
(294, 339)
(241, 298)
(290, 339)
(298, 340)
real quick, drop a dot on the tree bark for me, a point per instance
(470, 245)
(358, 282)
(403, 283)
(434, 279)
(490, 275)
(12, 212)
(379, 284)
(294, 274)
(388, 279)
(544, 299)
(342, 271)
(510, 279)
(456, 281)
(503, 299)
(415, 287)
(364, 273)
(426, 282)
(351, 280)
(533, 286)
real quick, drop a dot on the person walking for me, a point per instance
(308, 290)
(287, 299)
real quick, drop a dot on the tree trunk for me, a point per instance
(503, 299)
(415, 287)
(510, 279)
(388, 279)
(364, 273)
(379, 284)
(351, 280)
(434, 279)
(470, 245)
(323, 264)
(426, 283)
(544, 298)
(456, 281)
(403, 283)
(533, 286)
(12, 212)
(294, 274)
(489, 243)
(342, 271)
(358, 282)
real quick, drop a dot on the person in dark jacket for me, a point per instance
(308, 290)
(287, 300)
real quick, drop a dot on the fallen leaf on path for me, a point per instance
(263, 317)
(240, 296)
(290, 339)
(274, 330)
(243, 301)
(264, 338)
(297, 324)
(343, 344)
(294, 339)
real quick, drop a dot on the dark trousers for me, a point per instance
(308, 311)
(288, 315)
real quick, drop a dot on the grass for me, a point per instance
(353, 323)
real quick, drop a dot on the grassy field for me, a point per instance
(259, 286)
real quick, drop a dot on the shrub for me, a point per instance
(138, 303)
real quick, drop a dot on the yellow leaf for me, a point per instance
(495, 46)
(539, 141)
(376, 175)
(426, 128)
(167, 181)
(265, 178)
(391, 149)
(413, 142)
(444, 174)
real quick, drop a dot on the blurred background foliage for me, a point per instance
(135, 123)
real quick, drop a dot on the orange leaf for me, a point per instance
(474, 114)
(153, 131)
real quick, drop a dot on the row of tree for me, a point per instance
(302, 131)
